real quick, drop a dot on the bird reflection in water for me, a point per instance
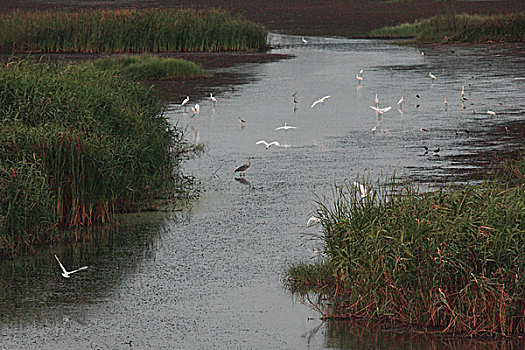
(243, 181)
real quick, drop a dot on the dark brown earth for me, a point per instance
(350, 18)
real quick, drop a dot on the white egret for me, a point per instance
(321, 100)
(400, 102)
(463, 92)
(285, 127)
(304, 40)
(313, 220)
(213, 99)
(381, 110)
(359, 78)
(268, 145)
(377, 101)
(65, 273)
(492, 113)
(361, 71)
(186, 100)
(432, 76)
(362, 190)
(195, 109)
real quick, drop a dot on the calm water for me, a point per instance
(210, 276)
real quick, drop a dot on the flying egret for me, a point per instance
(242, 169)
(381, 110)
(195, 109)
(492, 113)
(432, 76)
(268, 145)
(213, 99)
(359, 78)
(285, 127)
(400, 102)
(186, 100)
(65, 273)
(304, 40)
(321, 100)
(313, 220)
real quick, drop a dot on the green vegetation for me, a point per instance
(78, 144)
(451, 260)
(459, 28)
(152, 68)
(129, 30)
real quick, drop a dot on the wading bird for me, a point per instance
(377, 101)
(65, 273)
(213, 99)
(380, 110)
(492, 113)
(242, 169)
(268, 145)
(195, 109)
(400, 102)
(463, 92)
(312, 221)
(285, 127)
(186, 100)
(321, 100)
(362, 190)
(432, 76)
(359, 78)
(304, 40)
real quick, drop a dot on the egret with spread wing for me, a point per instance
(321, 101)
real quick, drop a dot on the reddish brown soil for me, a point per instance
(352, 18)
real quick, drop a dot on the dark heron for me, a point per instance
(243, 168)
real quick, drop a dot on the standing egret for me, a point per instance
(463, 92)
(268, 145)
(65, 273)
(359, 78)
(286, 127)
(400, 102)
(321, 100)
(213, 99)
(446, 104)
(304, 40)
(186, 100)
(242, 169)
(196, 109)
(432, 76)
(377, 101)
(362, 190)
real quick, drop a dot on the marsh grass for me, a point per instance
(152, 68)
(77, 145)
(452, 260)
(129, 30)
(459, 28)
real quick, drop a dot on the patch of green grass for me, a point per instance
(129, 30)
(78, 144)
(459, 28)
(152, 68)
(453, 259)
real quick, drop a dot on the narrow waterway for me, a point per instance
(211, 276)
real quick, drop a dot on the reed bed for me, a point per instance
(129, 30)
(459, 28)
(77, 145)
(451, 261)
(152, 68)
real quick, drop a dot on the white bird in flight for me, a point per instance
(312, 221)
(432, 76)
(285, 127)
(304, 40)
(196, 109)
(268, 145)
(380, 110)
(65, 273)
(213, 99)
(321, 100)
(492, 113)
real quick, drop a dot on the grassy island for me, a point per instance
(450, 261)
(129, 30)
(451, 27)
(78, 144)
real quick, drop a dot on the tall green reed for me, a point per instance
(129, 30)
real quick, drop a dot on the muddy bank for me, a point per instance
(350, 18)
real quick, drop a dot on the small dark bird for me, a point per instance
(417, 106)
(243, 168)
(426, 150)
(436, 150)
(417, 95)
(423, 130)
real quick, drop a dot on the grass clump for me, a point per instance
(129, 30)
(78, 144)
(152, 68)
(459, 28)
(452, 260)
